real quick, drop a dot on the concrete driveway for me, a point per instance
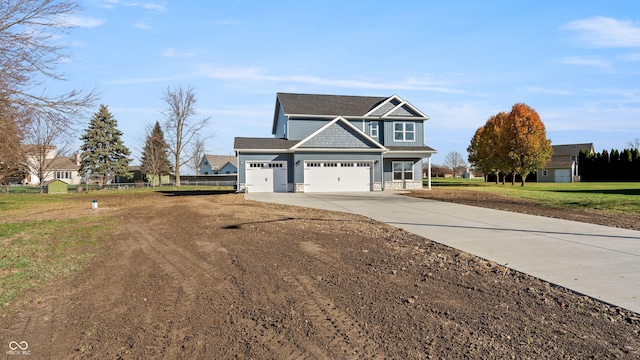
(598, 261)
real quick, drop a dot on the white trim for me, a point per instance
(402, 103)
(404, 131)
(335, 120)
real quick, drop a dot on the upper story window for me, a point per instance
(404, 131)
(373, 131)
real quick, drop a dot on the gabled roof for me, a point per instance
(394, 106)
(571, 149)
(327, 105)
(217, 162)
(62, 163)
(559, 165)
(362, 138)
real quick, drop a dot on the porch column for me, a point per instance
(429, 173)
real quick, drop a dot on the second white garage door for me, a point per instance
(332, 176)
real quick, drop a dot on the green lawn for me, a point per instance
(608, 196)
(34, 249)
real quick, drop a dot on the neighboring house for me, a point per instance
(328, 143)
(218, 165)
(563, 166)
(56, 167)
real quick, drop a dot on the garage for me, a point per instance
(335, 176)
(562, 175)
(266, 176)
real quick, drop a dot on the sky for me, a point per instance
(577, 63)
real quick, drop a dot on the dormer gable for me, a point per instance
(338, 133)
(396, 107)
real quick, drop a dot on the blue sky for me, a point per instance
(576, 62)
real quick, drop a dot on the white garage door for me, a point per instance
(562, 175)
(331, 176)
(266, 176)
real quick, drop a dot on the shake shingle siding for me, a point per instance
(336, 136)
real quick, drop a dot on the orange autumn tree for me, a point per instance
(514, 142)
(527, 146)
(487, 147)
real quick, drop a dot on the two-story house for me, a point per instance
(45, 160)
(217, 165)
(330, 143)
(563, 166)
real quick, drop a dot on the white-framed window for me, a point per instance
(402, 170)
(545, 172)
(373, 130)
(63, 174)
(404, 131)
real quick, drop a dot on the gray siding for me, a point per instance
(403, 111)
(301, 128)
(388, 168)
(386, 108)
(336, 135)
(281, 125)
(389, 139)
(244, 157)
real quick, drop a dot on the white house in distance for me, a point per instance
(218, 165)
(56, 167)
(563, 166)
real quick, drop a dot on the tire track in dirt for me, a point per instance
(342, 332)
(35, 328)
(187, 273)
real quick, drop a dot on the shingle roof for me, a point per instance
(263, 143)
(559, 164)
(571, 149)
(62, 163)
(410, 148)
(333, 105)
(218, 161)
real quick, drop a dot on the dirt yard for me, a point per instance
(213, 276)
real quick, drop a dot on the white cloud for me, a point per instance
(542, 90)
(256, 74)
(173, 53)
(157, 7)
(605, 32)
(631, 57)
(153, 6)
(80, 21)
(586, 61)
(228, 22)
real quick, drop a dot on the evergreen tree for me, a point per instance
(155, 158)
(103, 152)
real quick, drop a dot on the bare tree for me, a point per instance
(180, 127)
(30, 51)
(634, 144)
(456, 163)
(12, 158)
(46, 141)
(197, 153)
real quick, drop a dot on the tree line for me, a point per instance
(35, 124)
(513, 143)
(611, 165)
